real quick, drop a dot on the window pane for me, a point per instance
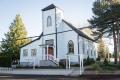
(25, 52)
(70, 47)
(49, 21)
(49, 42)
(33, 52)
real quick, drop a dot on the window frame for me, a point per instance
(70, 47)
(25, 52)
(49, 21)
(33, 52)
(91, 53)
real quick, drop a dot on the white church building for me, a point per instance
(59, 38)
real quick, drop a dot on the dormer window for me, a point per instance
(49, 21)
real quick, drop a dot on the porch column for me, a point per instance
(47, 52)
(81, 63)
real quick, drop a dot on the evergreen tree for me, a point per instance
(107, 19)
(15, 38)
(107, 53)
(101, 49)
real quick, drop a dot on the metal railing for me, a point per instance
(5, 69)
(53, 59)
(68, 62)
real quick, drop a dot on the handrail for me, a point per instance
(50, 57)
(53, 59)
(68, 57)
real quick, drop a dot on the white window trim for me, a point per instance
(25, 54)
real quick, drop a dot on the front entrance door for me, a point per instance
(49, 49)
(50, 53)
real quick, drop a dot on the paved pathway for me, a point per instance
(65, 72)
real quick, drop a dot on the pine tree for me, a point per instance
(107, 19)
(107, 53)
(101, 49)
(15, 38)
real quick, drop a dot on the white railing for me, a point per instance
(5, 69)
(68, 62)
(37, 62)
(52, 58)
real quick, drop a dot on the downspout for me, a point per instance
(78, 48)
(42, 36)
(56, 32)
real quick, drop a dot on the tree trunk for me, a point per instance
(118, 42)
(115, 45)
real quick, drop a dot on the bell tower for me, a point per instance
(48, 19)
(51, 18)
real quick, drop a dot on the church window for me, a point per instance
(70, 47)
(49, 42)
(25, 52)
(33, 52)
(49, 21)
(91, 53)
(94, 53)
(87, 52)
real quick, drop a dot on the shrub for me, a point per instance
(89, 61)
(98, 59)
(5, 61)
(105, 61)
(62, 63)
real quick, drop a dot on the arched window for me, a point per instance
(91, 53)
(87, 52)
(94, 53)
(49, 21)
(70, 47)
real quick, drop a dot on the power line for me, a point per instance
(24, 38)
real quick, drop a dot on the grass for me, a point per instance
(101, 67)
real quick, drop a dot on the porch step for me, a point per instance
(48, 63)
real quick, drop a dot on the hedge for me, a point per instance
(88, 61)
(5, 61)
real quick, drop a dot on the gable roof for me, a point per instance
(52, 6)
(78, 31)
(71, 26)
(33, 40)
(88, 31)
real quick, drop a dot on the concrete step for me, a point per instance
(48, 63)
(41, 63)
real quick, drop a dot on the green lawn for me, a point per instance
(101, 67)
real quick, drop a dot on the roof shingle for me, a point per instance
(78, 31)
(52, 6)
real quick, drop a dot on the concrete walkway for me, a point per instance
(65, 72)
(59, 72)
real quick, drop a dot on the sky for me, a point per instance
(76, 11)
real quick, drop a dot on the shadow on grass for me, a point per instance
(100, 67)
